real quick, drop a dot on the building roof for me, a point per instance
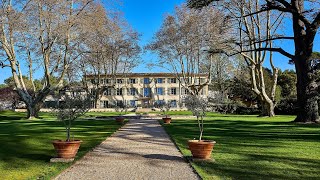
(121, 75)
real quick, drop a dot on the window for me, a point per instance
(173, 103)
(119, 103)
(92, 92)
(186, 91)
(159, 103)
(159, 91)
(107, 92)
(160, 80)
(107, 81)
(173, 80)
(132, 81)
(146, 92)
(132, 103)
(104, 104)
(119, 81)
(119, 92)
(133, 91)
(146, 81)
(173, 91)
(92, 104)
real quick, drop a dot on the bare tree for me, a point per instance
(41, 34)
(252, 32)
(112, 49)
(182, 41)
(72, 107)
(305, 25)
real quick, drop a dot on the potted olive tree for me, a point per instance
(68, 111)
(200, 149)
(121, 109)
(165, 108)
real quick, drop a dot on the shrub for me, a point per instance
(287, 106)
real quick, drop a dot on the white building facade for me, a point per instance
(140, 89)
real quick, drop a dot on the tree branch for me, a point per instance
(271, 5)
(316, 21)
(279, 50)
(269, 39)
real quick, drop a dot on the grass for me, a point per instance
(26, 146)
(249, 147)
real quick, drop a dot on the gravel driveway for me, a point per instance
(139, 150)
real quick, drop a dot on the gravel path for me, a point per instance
(139, 150)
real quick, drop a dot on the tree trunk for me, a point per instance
(307, 88)
(33, 110)
(307, 95)
(267, 109)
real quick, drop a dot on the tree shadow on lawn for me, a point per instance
(10, 118)
(253, 166)
(255, 149)
(28, 143)
(248, 129)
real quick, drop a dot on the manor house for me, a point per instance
(141, 89)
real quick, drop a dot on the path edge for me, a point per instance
(91, 150)
(184, 157)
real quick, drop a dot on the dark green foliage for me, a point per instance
(243, 110)
(3, 85)
(287, 80)
(241, 89)
(287, 106)
(235, 107)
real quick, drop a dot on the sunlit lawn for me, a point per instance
(249, 147)
(26, 148)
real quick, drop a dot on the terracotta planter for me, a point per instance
(201, 149)
(120, 119)
(66, 150)
(166, 120)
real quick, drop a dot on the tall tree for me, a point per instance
(181, 43)
(305, 18)
(250, 33)
(43, 35)
(111, 48)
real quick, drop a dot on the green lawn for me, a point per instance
(26, 146)
(249, 147)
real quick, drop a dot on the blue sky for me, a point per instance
(146, 16)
